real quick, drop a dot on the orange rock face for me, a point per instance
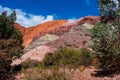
(20, 27)
(58, 26)
(41, 29)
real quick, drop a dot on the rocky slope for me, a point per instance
(41, 29)
(58, 27)
(46, 39)
(49, 36)
(76, 31)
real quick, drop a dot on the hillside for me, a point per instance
(58, 26)
(48, 37)
(40, 29)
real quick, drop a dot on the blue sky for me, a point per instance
(32, 12)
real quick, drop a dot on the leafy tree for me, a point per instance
(106, 36)
(10, 40)
(108, 9)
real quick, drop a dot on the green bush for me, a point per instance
(10, 41)
(106, 36)
(86, 57)
(69, 57)
(106, 44)
(57, 65)
(64, 57)
(30, 64)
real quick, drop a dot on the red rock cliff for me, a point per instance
(52, 26)
(34, 31)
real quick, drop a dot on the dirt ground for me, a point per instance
(87, 74)
(93, 74)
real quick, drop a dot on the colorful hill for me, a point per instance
(40, 29)
(48, 37)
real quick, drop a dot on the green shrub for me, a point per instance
(86, 57)
(10, 41)
(30, 64)
(57, 66)
(106, 35)
(64, 57)
(106, 45)
(69, 57)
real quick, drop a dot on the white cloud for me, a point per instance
(117, 3)
(72, 19)
(27, 19)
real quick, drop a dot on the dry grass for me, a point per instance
(47, 74)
